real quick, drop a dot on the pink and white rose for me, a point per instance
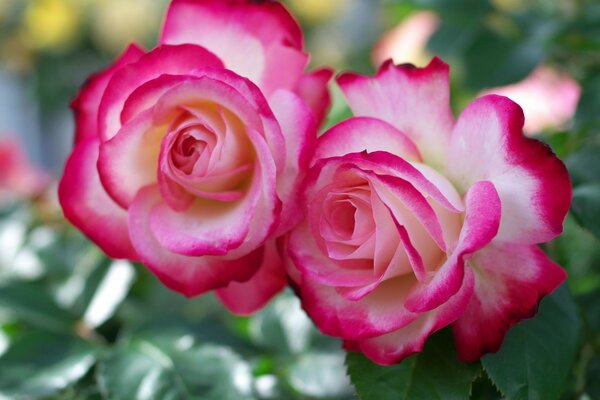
(416, 221)
(188, 157)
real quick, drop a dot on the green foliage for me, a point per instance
(32, 304)
(536, 357)
(40, 364)
(320, 375)
(178, 368)
(585, 172)
(492, 60)
(436, 373)
(110, 330)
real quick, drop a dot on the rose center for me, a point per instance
(206, 154)
(343, 219)
(192, 150)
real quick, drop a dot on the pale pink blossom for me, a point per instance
(548, 97)
(19, 178)
(407, 42)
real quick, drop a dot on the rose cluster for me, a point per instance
(200, 159)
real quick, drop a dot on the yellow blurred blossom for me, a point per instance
(15, 55)
(115, 23)
(4, 7)
(510, 5)
(316, 10)
(51, 24)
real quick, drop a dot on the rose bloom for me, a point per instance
(415, 221)
(19, 178)
(188, 157)
(549, 98)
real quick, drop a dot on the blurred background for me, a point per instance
(75, 325)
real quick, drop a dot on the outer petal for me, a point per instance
(511, 281)
(170, 60)
(87, 102)
(190, 276)
(377, 313)
(395, 346)
(244, 298)
(300, 134)
(360, 134)
(128, 161)
(313, 89)
(87, 206)
(533, 185)
(415, 100)
(261, 42)
(481, 225)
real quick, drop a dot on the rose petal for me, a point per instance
(261, 42)
(170, 60)
(129, 160)
(245, 298)
(482, 219)
(86, 104)
(356, 135)
(511, 281)
(87, 206)
(313, 89)
(378, 313)
(310, 260)
(533, 185)
(300, 134)
(393, 347)
(190, 276)
(414, 100)
(215, 228)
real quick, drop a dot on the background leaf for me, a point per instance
(176, 369)
(41, 364)
(537, 355)
(31, 303)
(585, 173)
(320, 375)
(436, 373)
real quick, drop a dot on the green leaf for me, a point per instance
(435, 373)
(31, 303)
(494, 61)
(41, 364)
(587, 116)
(537, 355)
(584, 168)
(586, 206)
(320, 375)
(577, 250)
(109, 292)
(179, 369)
(592, 381)
(583, 165)
(282, 326)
